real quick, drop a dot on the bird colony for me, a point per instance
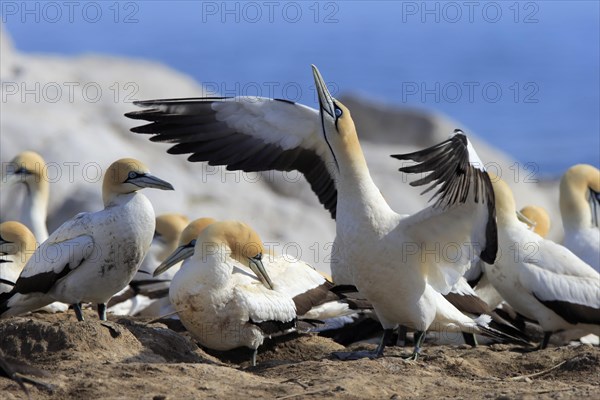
(504, 281)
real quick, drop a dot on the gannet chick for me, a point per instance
(94, 255)
(226, 298)
(29, 169)
(146, 295)
(540, 279)
(580, 210)
(17, 244)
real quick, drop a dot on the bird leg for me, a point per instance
(102, 311)
(470, 339)
(254, 357)
(419, 337)
(402, 330)
(357, 355)
(545, 341)
(78, 312)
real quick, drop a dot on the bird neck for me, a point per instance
(574, 206)
(506, 210)
(357, 193)
(35, 210)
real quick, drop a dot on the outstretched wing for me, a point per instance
(461, 225)
(245, 133)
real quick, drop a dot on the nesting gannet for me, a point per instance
(17, 244)
(94, 255)
(29, 169)
(146, 295)
(398, 262)
(580, 210)
(540, 279)
(226, 296)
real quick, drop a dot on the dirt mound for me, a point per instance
(132, 358)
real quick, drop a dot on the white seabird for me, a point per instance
(94, 255)
(227, 298)
(29, 169)
(542, 280)
(580, 210)
(147, 295)
(537, 218)
(396, 260)
(17, 244)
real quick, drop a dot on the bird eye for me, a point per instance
(192, 243)
(338, 112)
(132, 175)
(258, 256)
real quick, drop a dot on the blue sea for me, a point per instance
(525, 75)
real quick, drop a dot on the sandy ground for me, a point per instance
(128, 358)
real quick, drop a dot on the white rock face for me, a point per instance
(70, 110)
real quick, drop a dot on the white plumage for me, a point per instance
(230, 294)
(392, 258)
(540, 279)
(17, 244)
(580, 210)
(94, 255)
(147, 295)
(28, 171)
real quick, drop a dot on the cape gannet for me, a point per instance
(537, 219)
(540, 279)
(29, 169)
(17, 244)
(397, 261)
(146, 295)
(94, 255)
(580, 210)
(226, 296)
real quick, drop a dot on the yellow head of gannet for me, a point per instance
(128, 175)
(236, 239)
(187, 241)
(169, 228)
(506, 209)
(539, 217)
(29, 168)
(580, 196)
(337, 124)
(17, 244)
(16, 239)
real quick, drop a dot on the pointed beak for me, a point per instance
(258, 268)
(325, 98)
(180, 253)
(151, 181)
(3, 241)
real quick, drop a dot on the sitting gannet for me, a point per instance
(580, 210)
(17, 244)
(94, 255)
(29, 169)
(397, 262)
(540, 279)
(147, 295)
(227, 297)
